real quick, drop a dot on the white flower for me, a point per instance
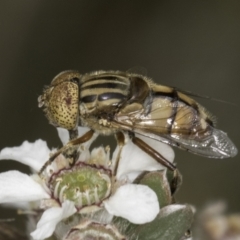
(32, 154)
(136, 203)
(50, 218)
(17, 187)
(134, 160)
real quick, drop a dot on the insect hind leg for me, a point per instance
(70, 150)
(151, 152)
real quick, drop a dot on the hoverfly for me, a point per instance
(111, 102)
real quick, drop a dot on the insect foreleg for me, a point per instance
(153, 153)
(120, 141)
(73, 133)
(70, 150)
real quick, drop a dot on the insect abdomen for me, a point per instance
(182, 115)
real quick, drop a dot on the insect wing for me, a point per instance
(216, 145)
(178, 125)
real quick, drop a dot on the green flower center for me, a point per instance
(83, 184)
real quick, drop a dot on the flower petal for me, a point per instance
(50, 218)
(16, 186)
(137, 203)
(133, 159)
(63, 135)
(32, 154)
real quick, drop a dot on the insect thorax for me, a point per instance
(101, 95)
(104, 94)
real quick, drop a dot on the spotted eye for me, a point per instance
(69, 75)
(61, 100)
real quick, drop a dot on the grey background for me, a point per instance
(193, 45)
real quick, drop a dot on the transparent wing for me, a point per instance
(186, 132)
(216, 145)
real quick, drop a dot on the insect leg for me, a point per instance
(120, 141)
(153, 153)
(73, 133)
(70, 149)
(176, 180)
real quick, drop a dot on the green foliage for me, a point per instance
(173, 220)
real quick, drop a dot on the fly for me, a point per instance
(113, 102)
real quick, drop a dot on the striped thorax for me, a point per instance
(101, 95)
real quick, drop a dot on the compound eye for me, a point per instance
(69, 75)
(61, 101)
(63, 105)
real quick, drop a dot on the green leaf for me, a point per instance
(171, 224)
(123, 224)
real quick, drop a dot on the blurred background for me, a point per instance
(192, 45)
